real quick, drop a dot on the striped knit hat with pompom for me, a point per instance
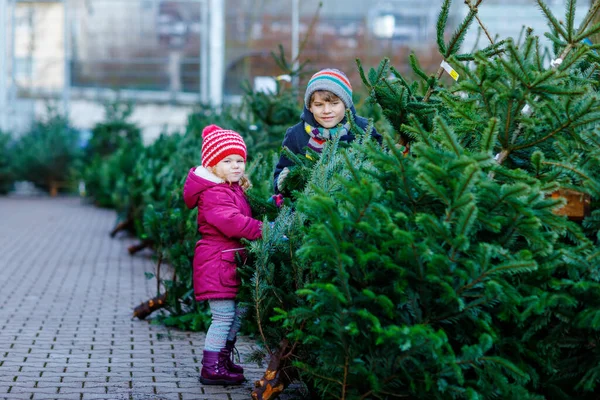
(332, 80)
(218, 143)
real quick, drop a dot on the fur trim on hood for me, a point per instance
(206, 174)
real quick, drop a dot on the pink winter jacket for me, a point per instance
(224, 216)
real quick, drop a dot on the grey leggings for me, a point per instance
(226, 322)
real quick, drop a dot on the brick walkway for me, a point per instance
(67, 291)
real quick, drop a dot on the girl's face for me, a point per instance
(231, 168)
(327, 110)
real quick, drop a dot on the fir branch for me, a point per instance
(342, 275)
(457, 107)
(489, 136)
(539, 59)
(507, 124)
(430, 90)
(543, 77)
(594, 29)
(570, 19)
(419, 263)
(543, 139)
(390, 395)
(507, 365)
(459, 34)
(467, 220)
(552, 19)
(529, 46)
(417, 129)
(589, 16)
(414, 64)
(258, 318)
(293, 347)
(569, 168)
(486, 100)
(485, 30)
(452, 48)
(496, 49)
(305, 368)
(570, 61)
(441, 25)
(474, 304)
(407, 354)
(452, 140)
(516, 56)
(467, 181)
(398, 156)
(402, 80)
(556, 42)
(346, 368)
(511, 267)
(464, 224)
(392, 88)
(588, 120)
(517, 74)
(361, 73)
(434, 189)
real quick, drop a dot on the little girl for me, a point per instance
(217, 188)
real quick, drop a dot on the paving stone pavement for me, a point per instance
(67, 291)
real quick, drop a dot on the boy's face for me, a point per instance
(231, 168)
(327, 109)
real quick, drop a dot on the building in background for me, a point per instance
(39, 52)
(156, 51)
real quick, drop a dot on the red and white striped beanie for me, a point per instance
(218, 143)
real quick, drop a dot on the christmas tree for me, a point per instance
(450, 272)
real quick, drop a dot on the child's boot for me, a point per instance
(215, 372)
(229, 348)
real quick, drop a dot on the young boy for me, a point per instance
(328, 95)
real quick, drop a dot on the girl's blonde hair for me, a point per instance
(244, 181)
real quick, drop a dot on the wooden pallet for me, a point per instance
(578, 204)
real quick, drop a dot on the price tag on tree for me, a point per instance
(448, 68)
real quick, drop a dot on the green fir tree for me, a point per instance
(447, 273)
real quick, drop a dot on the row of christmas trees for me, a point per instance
(445, 273)
(449, 273)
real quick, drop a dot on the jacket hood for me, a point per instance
(309, 118)
(198, 180)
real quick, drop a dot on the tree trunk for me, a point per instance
(123, 225)
(148, 307)
(277, 377)
(53, 188)
(140, 246)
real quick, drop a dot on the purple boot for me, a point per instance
(229, 347)
(215, 372)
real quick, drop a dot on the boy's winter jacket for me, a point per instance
(224, 217)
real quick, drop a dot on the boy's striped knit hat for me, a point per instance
(332, 80)
(218, 143)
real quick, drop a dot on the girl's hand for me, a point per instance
(277, 199)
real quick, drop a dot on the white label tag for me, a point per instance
(556, 63)
(449, 70)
